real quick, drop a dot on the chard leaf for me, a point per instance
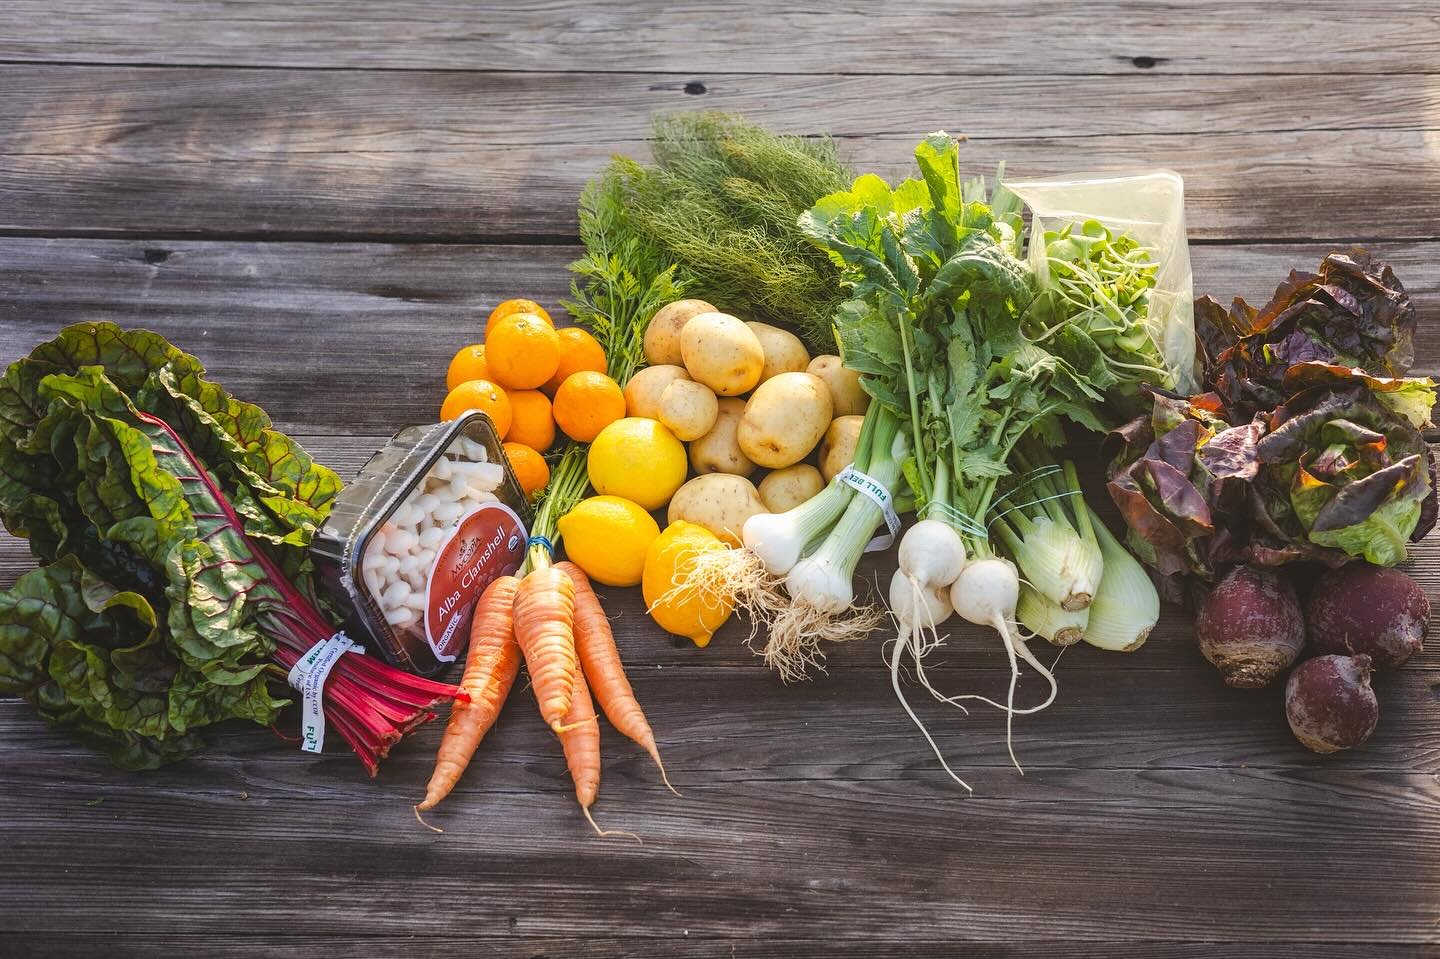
(145, 627)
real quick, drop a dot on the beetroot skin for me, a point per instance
(1329, 703)
(1360, 608)
(1250, 627)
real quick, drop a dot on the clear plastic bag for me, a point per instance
(1150, 206)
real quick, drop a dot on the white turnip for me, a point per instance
(985, 594)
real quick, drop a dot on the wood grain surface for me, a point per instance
(494, 156)
(914, 39)
(323, 201)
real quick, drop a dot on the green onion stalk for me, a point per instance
(814, 549)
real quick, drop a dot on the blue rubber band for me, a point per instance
(541, 541)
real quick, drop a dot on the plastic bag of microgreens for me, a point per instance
(1134, 222)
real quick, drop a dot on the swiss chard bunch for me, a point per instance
(1325, 460)
(174, 525)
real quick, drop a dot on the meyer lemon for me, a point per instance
(668, 561)
(638, 459)
(607, 537)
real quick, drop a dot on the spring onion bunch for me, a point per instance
(974, 352)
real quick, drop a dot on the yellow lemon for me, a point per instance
(638, 459)
(668, 561)
(607, 537)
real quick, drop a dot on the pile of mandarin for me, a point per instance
(530, 379)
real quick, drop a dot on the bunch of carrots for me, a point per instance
(550, 616)
(553, 620)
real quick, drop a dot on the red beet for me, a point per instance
(1250, 626)
(1330, 704)
(1360, 608)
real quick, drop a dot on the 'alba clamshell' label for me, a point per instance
(488, 543)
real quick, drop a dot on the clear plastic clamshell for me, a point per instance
(1149, 205)
(433, 518)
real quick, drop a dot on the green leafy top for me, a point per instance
(939, 324)
(623, 279)
(721, 200)
(152, 618)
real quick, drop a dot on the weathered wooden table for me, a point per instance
(323, 200)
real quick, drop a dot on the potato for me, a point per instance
(662, 336)
(719, 502)
(784, 353)
(845, 391)
(784, 419)
(689, 409)
(718, 451)
(837, 450)
(722, 352)
(643, 392)
(785, 489)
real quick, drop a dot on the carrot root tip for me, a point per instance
(655, 755)
(421, 820)
(608, 832)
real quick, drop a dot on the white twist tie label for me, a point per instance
(308, 677)
(878, 494)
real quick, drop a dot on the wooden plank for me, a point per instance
(925, 37)
(969, 649)
(354, 338)
(462, 156)
(1207, 850)
(344, 344)
(741, 726)
(681, 946)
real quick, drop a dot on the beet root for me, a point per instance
(1250, 627)
(1360, 608)
(1329, 703)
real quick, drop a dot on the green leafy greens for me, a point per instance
(955, 333)
(174, 525)
(721, 202)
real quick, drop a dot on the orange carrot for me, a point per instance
(545, 629)
(581, 742)
(490, 670)
(603, 670)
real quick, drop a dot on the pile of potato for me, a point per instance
(745, 396)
